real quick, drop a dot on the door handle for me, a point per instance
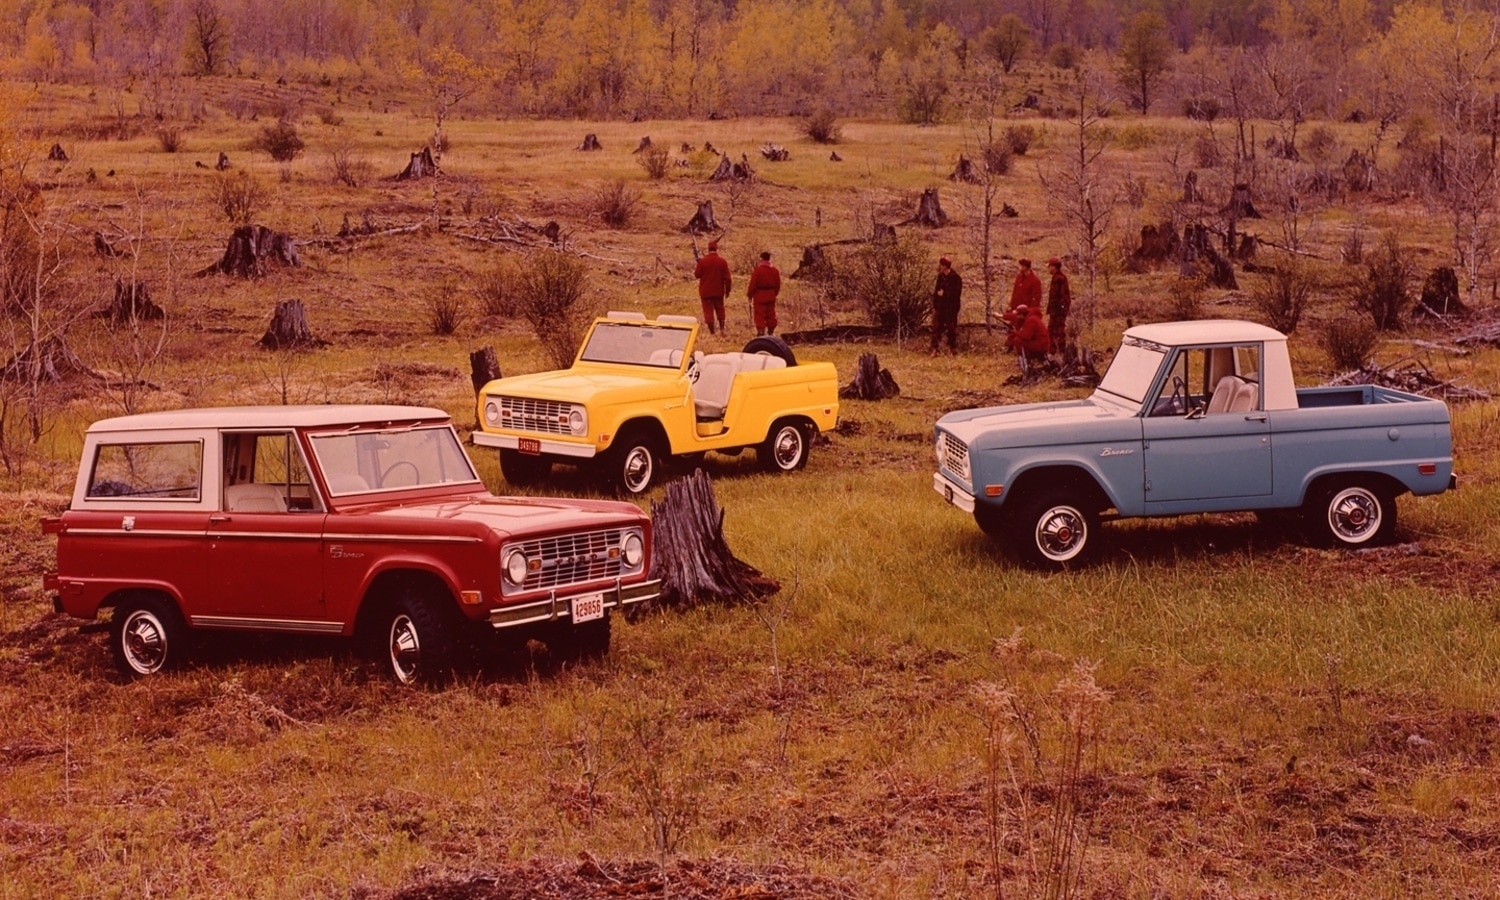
(217, 520)
(1259, 418)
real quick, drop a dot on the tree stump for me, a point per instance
(421, 165)
(252, 250)
(1198, 253)
(709, 147)
(929, 211)
(688, 148)
(880, 232)
(703, 220)
(590, 142)
(814, 263)
(871, 382)
(1159, 243)
(774, 153)
(1190, 192)
(965, 171)
(223, 162)
(289, 329)
(552, 231)
(1239, 206)
(834, 157)
(690, 554)
(483, 368)
(57, 154)
(732, 171)
(1249, 246)
(132, 302)
(1359, 173)
(1008, 211)
(1440, 295)
(643, 146)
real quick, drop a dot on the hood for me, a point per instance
(1032, 423)
(580, 383)
(519, 515)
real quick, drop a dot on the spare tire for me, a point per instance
(772, 345)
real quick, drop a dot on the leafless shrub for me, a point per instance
(169, 137)
(1185, 298)
(615, 202)
(239, 195)
(550, 291)
(655, 160)
(1063, 56)
(1282, 295)
(1353, 251)
(281, 140)
(822, 126)
(1207, 153)
(1384, 289)
(1019, 138)
(1349, 341)
(445, 310)
(348, 166)
(499, 290)
(330, 116)
(1202, 109)
(998, 157)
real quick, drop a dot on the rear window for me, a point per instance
(151, 471)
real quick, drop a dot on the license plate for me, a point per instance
(948, 492)
(529, 445)
(587, 608)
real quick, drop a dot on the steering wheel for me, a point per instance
(692, 371)
(1179, 393)
(415, 472)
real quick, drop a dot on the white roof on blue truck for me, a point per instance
(1206, 331)
(269, 417)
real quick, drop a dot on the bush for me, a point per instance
(1321, 144)
(655, 160)
(1185, 299)
(170, 138)
(345, 166)
(445, 310)
(1019, 138)
(615, 202)
(821, 127)
(549, 293)
(280, 140)
(892, 279)
(1063, 56)
(923, 101)
(998, 157)
(1384, 290)
(1283, 294)
(329, 116)
(1207, 153)
(499, 290)
(239, 195)
(1202, 109)
(1349, 341)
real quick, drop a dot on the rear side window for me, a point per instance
(164, 471)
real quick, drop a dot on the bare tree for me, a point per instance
(979, 200)
(208, 37)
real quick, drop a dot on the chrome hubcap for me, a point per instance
(145, 642)
(1060, 533)
(1354, 515)
(788, 448)
(406, 649)
(637, 470)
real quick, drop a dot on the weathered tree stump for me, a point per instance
(1190, 192)
(421, 165)
(51, 361)
(223, 162)
(590, 142)
(732, 171)
(880, 231)
(252, 250)
(1198, 254)
(688, 148)
(643, 146)
(929, 211)
(965, 171)
(132, 302)
(690, 554)
(814, 263)
(871, 382)
(1239, 206)
(1159, 243)
(1359, 172)
(774, 153)
(834, 157)
(1440, 295)
(703, 220)
(289, 329)
(1247, 249)
(552, 231)
(57, 154)
(1008, 211)
(483, 367)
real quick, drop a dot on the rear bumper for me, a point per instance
(558, 605)
(549, 447)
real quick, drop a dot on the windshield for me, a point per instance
(389, 460)
(1133, 369)
(636, 345)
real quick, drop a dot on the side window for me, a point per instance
(266, 473)
(165, 471)
(1183, 389)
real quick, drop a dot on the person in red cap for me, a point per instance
(1028, 336)
(1027, 290)
(1059, 301)
(714, 281)
(945, 297)
(765, 285)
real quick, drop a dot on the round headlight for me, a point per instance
(576, 421)
(492, 412)
(634, 550)
(515, 567)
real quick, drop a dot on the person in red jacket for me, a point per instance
(1028, 336)
(1027, 290)
(714, 282)
(765, 284)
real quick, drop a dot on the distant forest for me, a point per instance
(919, 60)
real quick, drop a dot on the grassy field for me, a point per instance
(1212, 711)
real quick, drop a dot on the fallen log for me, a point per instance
(690, 554)
(774, 153)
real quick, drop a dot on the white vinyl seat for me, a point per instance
(1224, 396)
(1246, 397)
(715, 377)
(254, 498)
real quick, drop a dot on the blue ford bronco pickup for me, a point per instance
(1193, 417)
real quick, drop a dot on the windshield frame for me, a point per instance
(350, 468)
(1134, 370)
(609, 343)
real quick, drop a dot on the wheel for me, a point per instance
(416, 474)
(419, 641)
(992, 521)
(1351, 515)
(588, 642)
(521, 469)
(148, 635)
(1055, 531)
(775, 346)
(632, 463)
(785, 449)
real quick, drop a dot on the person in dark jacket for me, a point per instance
(714, 282)
(765, 284)
(1029, 335)
(945, 298)
(1059, 301)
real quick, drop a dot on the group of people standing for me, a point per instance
(1029, 336)
(715, 280)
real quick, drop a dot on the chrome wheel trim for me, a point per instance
(1061, 533)
(787, 447)
(637, 471)
(1354, 515)
(143, 639)
(405, 649)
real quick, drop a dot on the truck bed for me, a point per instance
(1352, 395)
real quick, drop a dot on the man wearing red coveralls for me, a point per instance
(714, 281)
(765, 284)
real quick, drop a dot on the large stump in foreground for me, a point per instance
(253, 249)
(289, 329)
(703, 220)
(483, 367)
(689, 553)
(871, 382)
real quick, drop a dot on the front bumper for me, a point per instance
(549, 446)
(558, 605)
(953, 492)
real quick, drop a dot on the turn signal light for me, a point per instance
(993, 490)
(1427, 468)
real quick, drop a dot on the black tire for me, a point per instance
(992, 521)
(524, 470)
(419, 640)
(147, 635)
(1350, 515)
(569, 643)
(1054, 531)
(786, 448)
(775, 346)
(633, 463)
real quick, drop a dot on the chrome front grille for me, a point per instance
(956, 456)
(538, 416)
(569, 559)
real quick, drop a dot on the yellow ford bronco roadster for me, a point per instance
(639, 392)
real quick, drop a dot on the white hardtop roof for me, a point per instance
(1205, 331)
(269, 417)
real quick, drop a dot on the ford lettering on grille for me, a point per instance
(541, 416)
